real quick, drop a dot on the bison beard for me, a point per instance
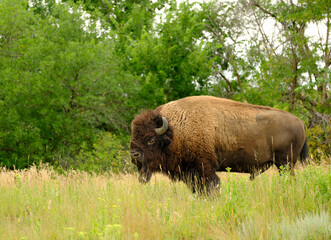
(192, 138)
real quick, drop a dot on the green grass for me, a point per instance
(42, 204)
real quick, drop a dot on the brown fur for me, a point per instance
(208, 134)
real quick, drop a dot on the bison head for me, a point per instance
(150, 137)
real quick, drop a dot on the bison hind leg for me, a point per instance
(285, 162)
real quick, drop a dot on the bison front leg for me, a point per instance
(213, 184)
(202, 184)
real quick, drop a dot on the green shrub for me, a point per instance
(107, 154)
(319, 143)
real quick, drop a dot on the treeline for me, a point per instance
(73, 74)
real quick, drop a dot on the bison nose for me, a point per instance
(135, 155)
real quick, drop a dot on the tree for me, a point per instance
(225, 27)
(60, 84)
(174, 59)
(303, 54)
(288, 59)
(127, 17)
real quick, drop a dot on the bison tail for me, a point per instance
(304, 151)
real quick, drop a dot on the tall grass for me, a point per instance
(39, 203)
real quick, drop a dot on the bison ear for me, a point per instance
(166, 139)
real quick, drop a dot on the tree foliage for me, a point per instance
(288, 59)
(73, 71)
(61, 85)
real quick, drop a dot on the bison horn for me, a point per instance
(164, 127)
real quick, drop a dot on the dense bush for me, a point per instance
(107, 154)
(319, 142)
(60, 84)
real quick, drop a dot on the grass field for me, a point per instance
(39, 203)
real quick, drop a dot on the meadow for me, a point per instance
(40, 203)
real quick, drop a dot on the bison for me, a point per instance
(192, 138)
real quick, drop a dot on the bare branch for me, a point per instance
(254, 3)
(327, 51)
(266, 41)
(226, 80)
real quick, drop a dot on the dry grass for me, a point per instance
(39, 203)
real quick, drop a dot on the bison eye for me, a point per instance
(151, 142)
